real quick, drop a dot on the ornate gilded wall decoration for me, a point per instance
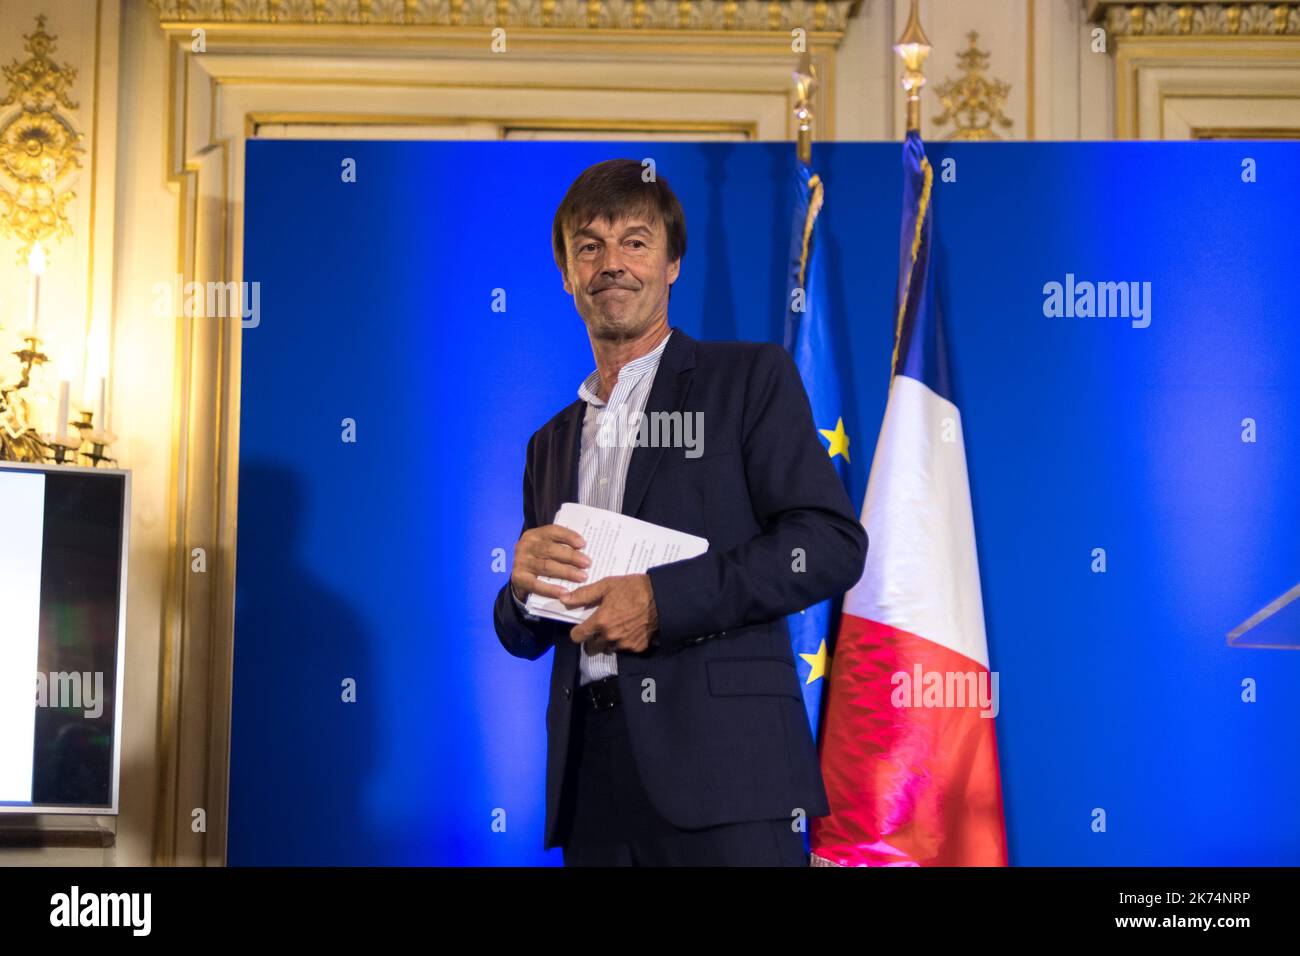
(974, 101)
(38, 145)
(766, 15)
(1201, 19)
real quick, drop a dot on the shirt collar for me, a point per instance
(634, 369)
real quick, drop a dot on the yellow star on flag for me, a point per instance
(817, 662)
(839, 441)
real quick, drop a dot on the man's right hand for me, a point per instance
(550, 551)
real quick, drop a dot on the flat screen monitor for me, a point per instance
(63, 547)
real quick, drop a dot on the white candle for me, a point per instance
(36, 265)
(61, 423)
(33, 304)
(101, 414)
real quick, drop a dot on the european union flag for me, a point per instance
(808, 338)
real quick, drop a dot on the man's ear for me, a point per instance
(674, 268)
(564, 276)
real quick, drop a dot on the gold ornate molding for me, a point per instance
(698, 15)
(974, 101)
(38, 145)
(1196, 19)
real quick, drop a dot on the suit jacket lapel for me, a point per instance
(667, 394)
(568, 447)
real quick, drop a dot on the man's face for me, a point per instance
(619, 274)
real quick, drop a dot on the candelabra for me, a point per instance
(20, 440)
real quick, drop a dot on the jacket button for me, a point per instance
(567, 692)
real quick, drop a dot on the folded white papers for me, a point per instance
(616, 544)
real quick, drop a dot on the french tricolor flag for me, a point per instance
(908, 750)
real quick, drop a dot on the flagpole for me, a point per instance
(913, 47)
(805, 82)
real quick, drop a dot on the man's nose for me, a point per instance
(613, 262)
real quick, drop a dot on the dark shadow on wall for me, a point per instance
(300, 755)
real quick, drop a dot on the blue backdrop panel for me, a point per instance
(374, 560)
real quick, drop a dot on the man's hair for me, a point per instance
(612, 190)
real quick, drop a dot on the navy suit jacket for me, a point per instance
(721, 735)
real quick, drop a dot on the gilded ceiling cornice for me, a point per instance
(1197, 19)
(830, 16)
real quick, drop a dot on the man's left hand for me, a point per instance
(625, 619)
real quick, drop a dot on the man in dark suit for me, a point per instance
(676, 732)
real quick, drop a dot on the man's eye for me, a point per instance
(588, 247)
(638, 243)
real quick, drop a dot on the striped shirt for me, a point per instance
(603, 462)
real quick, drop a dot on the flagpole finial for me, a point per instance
(805, 82)
(913, 47)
